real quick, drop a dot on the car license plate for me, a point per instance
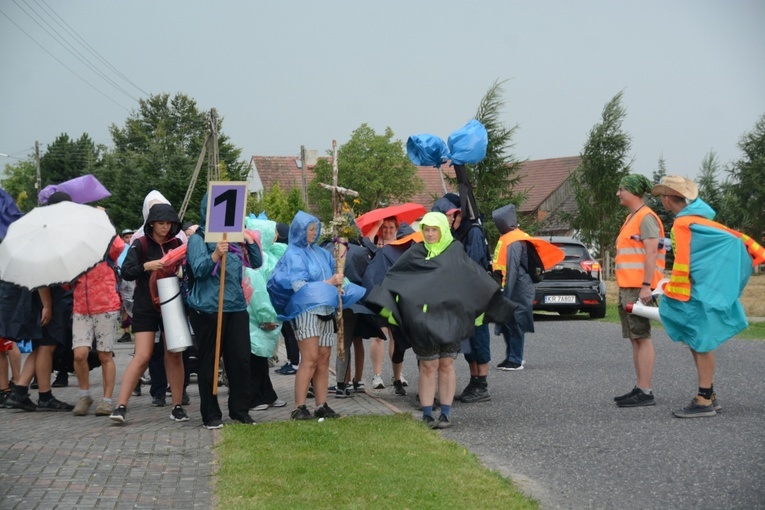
(560, 299)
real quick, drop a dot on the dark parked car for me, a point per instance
(574, 284)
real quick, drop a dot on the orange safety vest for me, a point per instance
(630, 253)
(549, 253)
(679, 286)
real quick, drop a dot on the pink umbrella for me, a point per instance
(407, 212)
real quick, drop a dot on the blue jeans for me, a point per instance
(514, 339)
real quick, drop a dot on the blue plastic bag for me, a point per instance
(426, 150)
(468, 144)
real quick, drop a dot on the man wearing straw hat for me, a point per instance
(700, 306)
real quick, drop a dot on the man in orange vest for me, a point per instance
(700, 306)
(639, 265)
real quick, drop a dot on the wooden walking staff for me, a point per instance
(218, 329)
(341, 245)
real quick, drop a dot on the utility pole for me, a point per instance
(37, 171)
(303, 164)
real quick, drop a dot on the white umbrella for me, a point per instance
(54, 244)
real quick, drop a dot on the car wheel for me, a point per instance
(599, 311)
(568, 311)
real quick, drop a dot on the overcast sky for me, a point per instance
(292, 73)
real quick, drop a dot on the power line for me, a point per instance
(63, 64)
(90, 48)
(71, 49)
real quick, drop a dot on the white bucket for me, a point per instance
(177, 335)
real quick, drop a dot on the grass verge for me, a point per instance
(354, 462)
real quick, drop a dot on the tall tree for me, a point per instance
(66, 159)
(374, 165)
(158, 148)
(278, 204)
(596, 179)
(748, 181)
(495, 177)
(19, 183)
(710, 189)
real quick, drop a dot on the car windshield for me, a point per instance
(573, 251)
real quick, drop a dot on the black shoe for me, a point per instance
(430, 422)
(54, 405)
(398, 388)
(632, 392)
(342, 391)
(301, 413)
(137, 391)
(119, 414)
(310, 393)
(443, 422)
(325, 412)
(159, 400)
(3, 397)
(185, 400)
(503, 364)
(468, 389)
(214, 424)
(61, 380)
(179, 414)
(639, 399)
(479, 394)
(16, 402)
(246, 420)
(125, 338)
(510, 365)
(286, 369)
(34, 385)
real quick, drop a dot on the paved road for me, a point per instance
(554, 428)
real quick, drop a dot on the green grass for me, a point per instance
(355, 462)
(755, 331)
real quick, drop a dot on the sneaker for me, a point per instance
(104, 408)
(468, 389)
(278, 403)
(245, 420)
(137, 391)
(185, 400)
(61, 380)
(403, 381)
(33, 385)
(179, 414)
(214, 424)
(159, 400)
(286, 369)
(82, 406)
(398, 388)
(119, 414)
(54, 405)
(358, 387)
(430, 422)
(125, 338)
(509, 365)
(310, 393)
(260, 407)
(3, 397)
(301, 413)
(639, 399)
(632, 392)
(443, 422)
(377, 382)
(145, 380)
(15, 402)
(503, 365)
(716, 403)
(325, 412)
(478, 394)
(698, 408)
(342, 391)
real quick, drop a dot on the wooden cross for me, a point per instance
(341, 246)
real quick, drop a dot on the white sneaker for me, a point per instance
(377, 382)
(278, 403)
(261, 407)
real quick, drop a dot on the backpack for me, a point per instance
(534, 265)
